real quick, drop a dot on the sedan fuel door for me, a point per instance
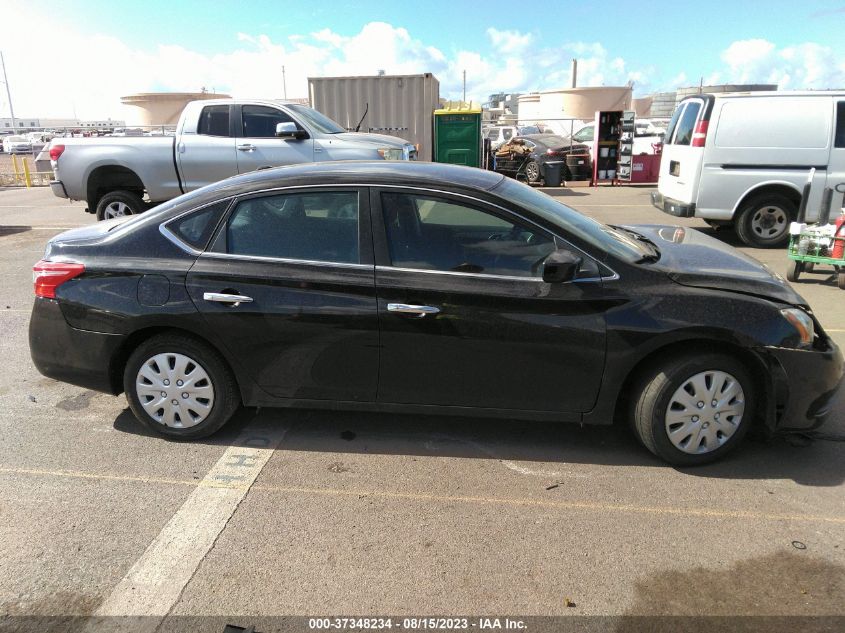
(288, 287)
(261, 143)
(466, 317)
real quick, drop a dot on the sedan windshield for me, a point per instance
(604, 238)
(316, 120)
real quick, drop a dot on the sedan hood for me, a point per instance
(692, 258)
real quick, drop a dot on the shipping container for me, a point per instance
(398, 105)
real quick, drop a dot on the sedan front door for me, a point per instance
(466, 318)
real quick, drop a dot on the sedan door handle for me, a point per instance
(419, 311)
(220, 297)
(246, 147)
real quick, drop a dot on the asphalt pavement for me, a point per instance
(319, 513)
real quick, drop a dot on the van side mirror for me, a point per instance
(288, 129)
(561, 266)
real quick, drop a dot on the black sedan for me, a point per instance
(431, 289)
(533, 153)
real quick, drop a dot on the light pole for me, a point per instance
(284, 82)
(8, 93)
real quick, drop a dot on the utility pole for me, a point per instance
(284, 82)
(465, 86)
(8, 93)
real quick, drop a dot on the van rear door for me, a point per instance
(683, 154)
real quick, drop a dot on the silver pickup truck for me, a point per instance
(214, 139)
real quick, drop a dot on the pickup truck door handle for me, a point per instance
(220, 297)
(418, 311)
(246, 147)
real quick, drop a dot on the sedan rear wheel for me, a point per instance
(179, 387)
(532, 171)
(693, 409)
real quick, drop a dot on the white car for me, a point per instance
(17, 145)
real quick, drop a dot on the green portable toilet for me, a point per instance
(457, 134)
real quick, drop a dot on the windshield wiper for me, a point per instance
(653, 256)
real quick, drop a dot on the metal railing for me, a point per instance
(22, 176)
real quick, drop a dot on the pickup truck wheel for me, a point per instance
(764, 221)
(117, 204)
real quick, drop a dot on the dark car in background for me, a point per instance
(426, 288)
(550, 159)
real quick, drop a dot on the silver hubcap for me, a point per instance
(174, 390)
(117, 210)
(705, 412)
(769, 222)
(533, 171)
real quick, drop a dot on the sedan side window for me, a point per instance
(434, 234)
(307, 226)
(260, 121)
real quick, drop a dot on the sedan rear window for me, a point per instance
(304, 226)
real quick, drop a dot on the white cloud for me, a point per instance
(808, 65)
(509, 42)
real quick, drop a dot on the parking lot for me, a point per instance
(318, 513)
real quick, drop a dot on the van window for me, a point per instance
(839, 140)
(686, 123)
(782, 122)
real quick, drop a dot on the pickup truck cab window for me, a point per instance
(214, 121)
(431, 233)
(260, 121)
(320, 227)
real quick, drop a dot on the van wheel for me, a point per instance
(693, 409)
(764, 221)
(117, 204)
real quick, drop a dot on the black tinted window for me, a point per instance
(310, 226)
(214, 121)
(686, 123)
(196, 228)
(839, 141)
(435, 234)
(260, 121)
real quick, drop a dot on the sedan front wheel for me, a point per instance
(693, 409)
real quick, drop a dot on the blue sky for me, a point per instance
(231, 46)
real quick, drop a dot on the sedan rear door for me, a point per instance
(288, 286)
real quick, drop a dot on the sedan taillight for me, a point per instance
(47, 276)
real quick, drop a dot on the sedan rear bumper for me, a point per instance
(806, 382)
(68, 354)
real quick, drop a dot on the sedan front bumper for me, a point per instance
(805, 383)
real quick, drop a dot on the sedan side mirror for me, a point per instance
(561, 266)
(289, 129)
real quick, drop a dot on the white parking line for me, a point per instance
(156, 580)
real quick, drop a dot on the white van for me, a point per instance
(742, 159)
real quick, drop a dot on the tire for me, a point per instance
(840, 280)
(532, 171)
(119, 203)
(794, 270)
(808, 267)
(764, 221)
(215, 385)
(663, 404)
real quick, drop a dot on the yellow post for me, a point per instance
(26, 176)
(15, 167)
